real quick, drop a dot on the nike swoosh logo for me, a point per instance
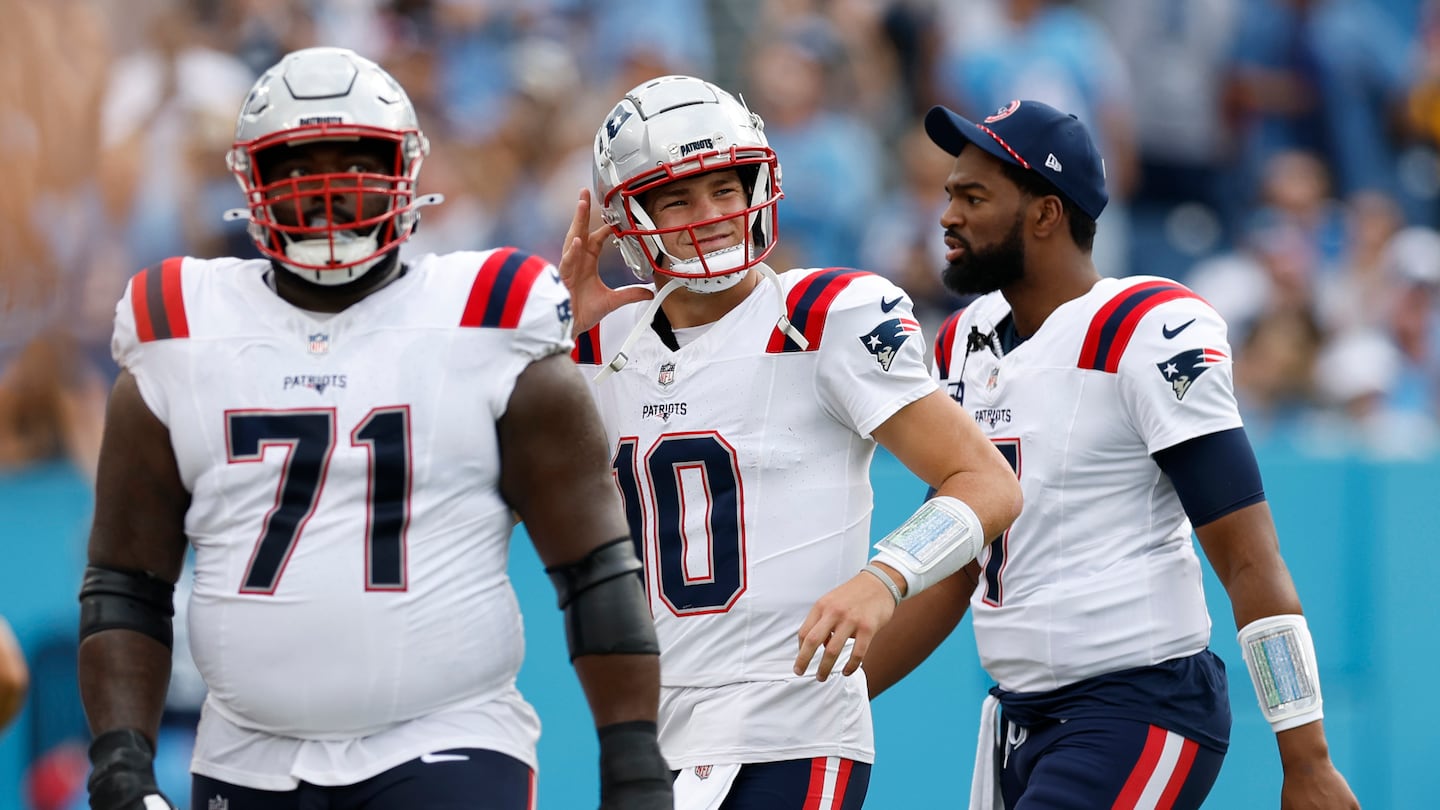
(886, 306)
(433, 758)
(1170, 333)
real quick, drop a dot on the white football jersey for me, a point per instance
(1099, 572)
(743, 463)
(350, 540)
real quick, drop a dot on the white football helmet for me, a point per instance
(674, 127)
(328, 94)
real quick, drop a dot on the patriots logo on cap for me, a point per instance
(1003, 112)
(885, 340)
(1183, 369)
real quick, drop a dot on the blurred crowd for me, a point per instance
(1280, 156)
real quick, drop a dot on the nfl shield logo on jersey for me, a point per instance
(218, 803)
(1183, 369)
(319, 343)
(703, 771)
(667, 374)
(886, 339)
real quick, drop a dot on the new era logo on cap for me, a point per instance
(1033, 136)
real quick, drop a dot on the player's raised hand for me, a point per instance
(855, 609)
(590, 298)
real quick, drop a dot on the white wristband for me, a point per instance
(1280, 656)
(942, 537)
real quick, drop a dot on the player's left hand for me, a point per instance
(1317, 787)
(856, 609)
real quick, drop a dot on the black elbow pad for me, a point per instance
(127, 600)
(604, 603)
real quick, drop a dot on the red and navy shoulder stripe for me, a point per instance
(158, 299)
(807, 306)
(587, 347)
(1113, 326)
(945, 344)
(497, 297)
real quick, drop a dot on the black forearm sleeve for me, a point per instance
(129, 600)
(604, 603)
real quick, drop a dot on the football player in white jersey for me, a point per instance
(1113, 401)
(743, 408)
(343, 438)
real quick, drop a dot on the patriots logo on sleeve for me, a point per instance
(885, 340)
(1183, 369)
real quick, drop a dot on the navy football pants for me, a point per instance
(821, 783)
(1091, 764)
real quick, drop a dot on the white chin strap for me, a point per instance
(648, 315)
(691, 272)
(347, 247)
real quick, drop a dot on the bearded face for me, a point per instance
(987, 268)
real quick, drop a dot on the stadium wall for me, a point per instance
(1359, 537)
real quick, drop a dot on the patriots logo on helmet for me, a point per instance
(1183, 369)
(885, 340)
(617, 119)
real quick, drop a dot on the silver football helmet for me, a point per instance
(675, 127)
(328, 94)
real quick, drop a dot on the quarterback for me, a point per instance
(743, 408)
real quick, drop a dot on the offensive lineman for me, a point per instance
(1113, 401)
(743, 409)
(342, 437)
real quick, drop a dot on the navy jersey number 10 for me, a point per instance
(696, 503)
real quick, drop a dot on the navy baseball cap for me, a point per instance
(1033, 136)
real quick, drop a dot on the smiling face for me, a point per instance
(700, 214)
(984, 225)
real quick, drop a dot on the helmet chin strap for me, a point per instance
(341, 248)
(648, 316)
(712, 273)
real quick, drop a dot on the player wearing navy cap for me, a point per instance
(1113, 401)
